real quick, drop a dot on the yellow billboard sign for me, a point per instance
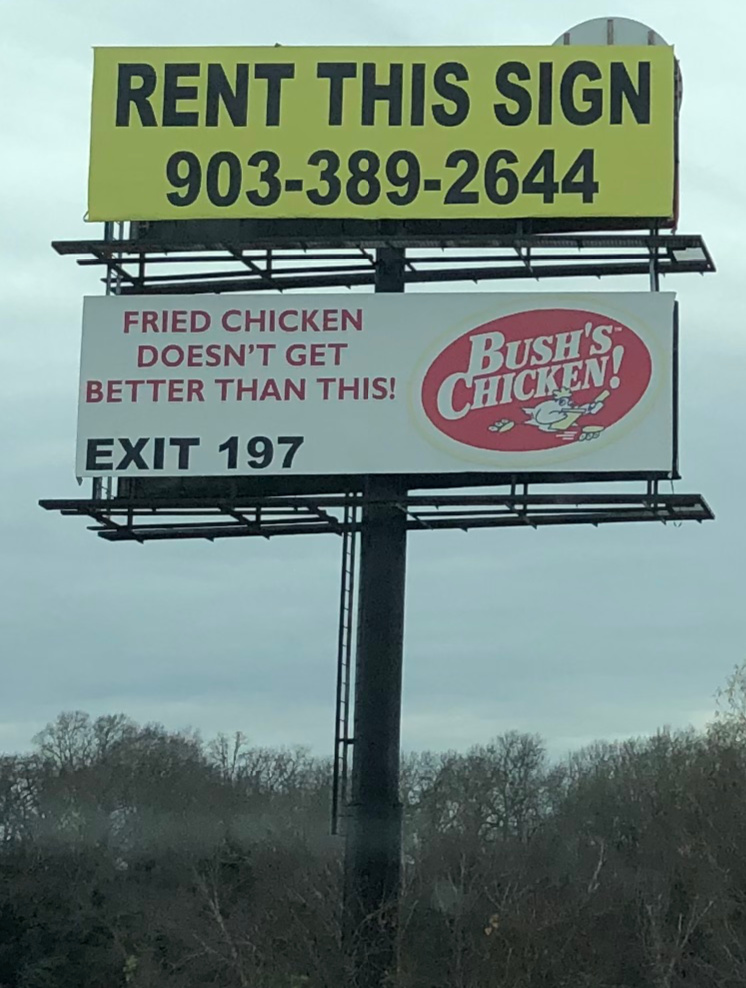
(382, 133)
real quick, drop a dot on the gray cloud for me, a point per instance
(572, 633)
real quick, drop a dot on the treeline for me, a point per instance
(135, 856)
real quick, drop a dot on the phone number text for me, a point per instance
(363, 178)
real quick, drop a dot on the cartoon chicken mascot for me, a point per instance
(559, 414)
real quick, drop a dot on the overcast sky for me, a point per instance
(575, 633)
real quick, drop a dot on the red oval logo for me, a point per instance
(536, 380)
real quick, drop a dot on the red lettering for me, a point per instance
(300, 349)
(309, 321)
(337, 349)
(326, 383)
(283, 323)
(195, 390)
(237, 356)
(193, 322)
(94, 391)
(330, 320)
(176, 390)
(156, 386)
(249, 389)
(259, 320)
(149, 321)
(114, 391)
(178, 321)
(228, 327)
(380, 388)
(131, 318)
(147, 356)
(176, 359)
(224, 383)
(314, 354)
(134, 386)
(270, 390)
(266, 349)
(352, 389)
(354, 319)
(295, 389)
(194, 356)
(212, 351)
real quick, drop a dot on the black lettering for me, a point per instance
(173, 93)
(546, 74)
(274, 73)
(512, 91)
(459, 192)
(234, 97)
(190, 181)
(158, 452)
(184, 446)
(417, 115)
(95, 451)
(592, 97)
(638, 97)
(127, 94)
(449, 91)
(379, 92)
(133, 453)
(336, 73)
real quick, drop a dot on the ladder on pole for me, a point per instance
(342, 739)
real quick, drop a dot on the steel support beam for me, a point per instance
(373, 839)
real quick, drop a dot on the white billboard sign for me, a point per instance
(364, 384)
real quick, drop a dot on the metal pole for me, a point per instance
(373, 846)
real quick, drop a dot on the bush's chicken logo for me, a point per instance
(536, 380)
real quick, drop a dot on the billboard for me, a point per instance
(312, 385)
(434, 133)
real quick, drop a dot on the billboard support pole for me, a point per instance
(373, 840)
